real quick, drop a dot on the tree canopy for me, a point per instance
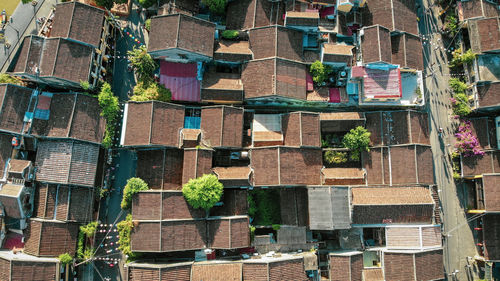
(357, 140)
(203, 192)
(143, 64)
(320, 71)
(133, 186)
(216, 6)
(110, 109)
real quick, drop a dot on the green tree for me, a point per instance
(203, 192)
(133, 186)
(230, 34)
(65, 258)
(357, 140)
(320, 71)
(8, 79)
(147, 24)
(85, 85)
(110, 109)
(90, 229)
(216, 6)
(151, 91)
(143, 64)
(124, 230)
(264, 206)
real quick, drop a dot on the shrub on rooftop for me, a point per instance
(337, 157)
(320, 72)
(124, 230)
(460, 100)
(230, 34)
(133, 186)
(357, 140)
(203, 192)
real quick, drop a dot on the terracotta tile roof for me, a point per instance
(391, 196)
(181, 32)
(21, 266)
(78, 21)
(232, 173)
(5, 150)
(222, 126)
(190, 134)
(376, 44)
(191, 234)
(233, 51)
(56, 58)
(289, 79)
(485, 34)
(486, 94)
(150, 271)
(398, 127)
(50, 238)
(491, 236)
(163, 205)
(14, 101)
(373, 274)
(309, 15)
(267, 136)
(393, 14)
(246, 14)
(197, 162)
(67, 162)
(407, 51)
(276, 41)
(75, 116)
(284, 268)
(327, 116)
(64, 203)
(221, 81)
(279, 166)
(216, 272)
(18, 166)
(337, 49)
(153, 123)
(161, 168)
(491, 192)
(343, 173)
(10, 199)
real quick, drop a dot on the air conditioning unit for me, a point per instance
(239, 155)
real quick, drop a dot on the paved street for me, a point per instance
(22, 23)
(123, 82)
(459, 242)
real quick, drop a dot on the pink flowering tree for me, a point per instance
(467, 143)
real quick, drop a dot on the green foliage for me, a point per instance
(203, 192)
(151, 91)
(103, 193)
(88, 253)
(26, 1)
(230, 34)
(8, 79)
(143, 64)
(357, 140)
(147, 3)
(451, 24)
(276, 227)
(418, 92)
(335, 157)
(331, 140)
(81, 244)
(65, 258)
(320, 72)
(216, 6)
(110, 109)
(124, 229)
(461, 105)
(457, 85)
(252, 232)
(147, 24)
(264, 206)
(460, 58)
(90, 229)
(85, 85)
(133, 186)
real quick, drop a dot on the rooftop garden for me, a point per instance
(355, 142)
(203, 192)
(133, 186)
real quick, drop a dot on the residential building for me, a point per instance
(75, 49)
(20, 266)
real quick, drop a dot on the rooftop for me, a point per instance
(78, 21)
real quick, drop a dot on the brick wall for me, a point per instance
(399, 267)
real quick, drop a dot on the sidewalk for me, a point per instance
(22, 23)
